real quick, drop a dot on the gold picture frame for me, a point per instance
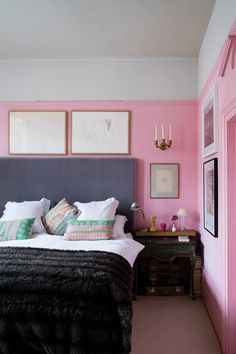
(100, 132)
(164, 180)
(37, 132)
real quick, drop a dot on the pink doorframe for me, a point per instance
(229, 226)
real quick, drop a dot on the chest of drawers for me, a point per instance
(159, 263)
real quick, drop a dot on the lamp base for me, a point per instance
(182, 223)
(145, 229)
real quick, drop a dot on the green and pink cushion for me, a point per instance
(16, 229)
(89, 230)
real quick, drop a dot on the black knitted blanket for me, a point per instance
(64, 302)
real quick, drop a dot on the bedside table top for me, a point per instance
(168, 233)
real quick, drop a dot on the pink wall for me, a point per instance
(182, 115)
(219, 285)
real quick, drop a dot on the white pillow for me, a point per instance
(101, 210)
(118, 228)
(27, 209)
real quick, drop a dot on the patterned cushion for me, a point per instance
(16, 229)
(55, 220)
(89, 230)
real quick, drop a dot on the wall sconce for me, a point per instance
(163, 145)
(136, 207)
(182, 213)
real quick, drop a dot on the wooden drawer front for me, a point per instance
(164, 290)
(159, 249)
(161, 252)
(168, 279)
(162, 267)
(186, 250)
(171, 250)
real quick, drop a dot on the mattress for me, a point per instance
(125, 247)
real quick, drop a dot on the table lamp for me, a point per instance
(182, 213)
(136, 207)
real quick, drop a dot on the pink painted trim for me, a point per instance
(228, 50)
(222, 288)
(216, 68)
(230, 45)
(233, 29)
(218, 64)
(229, 114)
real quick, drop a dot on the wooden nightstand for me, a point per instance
(158, 268)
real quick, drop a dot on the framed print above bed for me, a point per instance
(210, 196)
(210, 123)
(100, 132)
(164, 180)
(37, 132)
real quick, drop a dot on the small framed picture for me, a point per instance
(164, 180)
(100, 132)
(210, 123)
(210, 196)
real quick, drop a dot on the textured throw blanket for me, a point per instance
(64, 302)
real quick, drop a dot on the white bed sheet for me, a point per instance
(125, 247)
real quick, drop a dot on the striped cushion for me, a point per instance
(16, 229)
(55, 220)
(89, 230)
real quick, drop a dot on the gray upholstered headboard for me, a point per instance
(82, 179)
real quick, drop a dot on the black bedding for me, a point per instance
(64, 302)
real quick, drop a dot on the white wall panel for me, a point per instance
(148, 79)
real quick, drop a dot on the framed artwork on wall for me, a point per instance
(210, 196)
(100, 132)
(37, 132)
(164, 180)
(210, 123)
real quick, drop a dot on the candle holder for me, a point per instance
(163, 145)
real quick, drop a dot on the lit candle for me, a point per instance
(162, 132)
(156, 132)
(169, 132)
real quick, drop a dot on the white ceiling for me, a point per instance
(92, 29)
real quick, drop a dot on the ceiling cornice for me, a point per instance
(99, 59)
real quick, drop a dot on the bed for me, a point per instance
(67, 297)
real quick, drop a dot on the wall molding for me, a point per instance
(98, 80)
(218, 67)
(105, 104)
(228, 113)
(230, 52)
(96, 59)
(228, 109)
